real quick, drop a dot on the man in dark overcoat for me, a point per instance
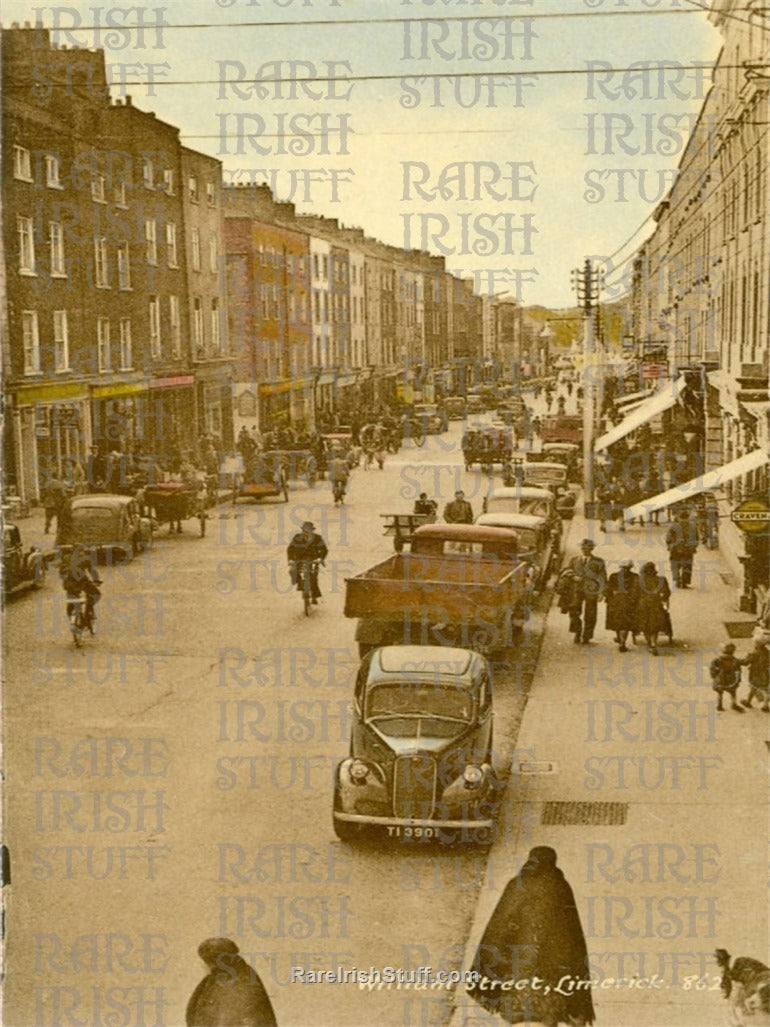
(231, 994)
(588, 583)
(532, 961)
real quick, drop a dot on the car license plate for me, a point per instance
(417, 832)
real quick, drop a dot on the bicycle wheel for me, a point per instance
(306, 592)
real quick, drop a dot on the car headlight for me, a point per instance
(473, 776)
(358, 772)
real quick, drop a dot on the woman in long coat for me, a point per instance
(652, 608)
(622, 596)
(231, 994)
(534, 939)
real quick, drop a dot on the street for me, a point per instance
(185, 767)
(172, 780)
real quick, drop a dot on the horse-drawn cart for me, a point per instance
(172, 502)
(265, 475)
(487, 445)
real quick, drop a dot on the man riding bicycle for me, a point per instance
(80, 578)
(306, 548)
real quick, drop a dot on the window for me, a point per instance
(176, 328)
(61, 341)
(195, 237)
(101, 276)
(316, 272)
(124, 267)
(126, 354)
(211, 196)
(213, 255)
(197, 325)
(326, 267)
(155, 346)
(120, 195)
(56, 241)
(171, 244)
(22, 165)
(103, 352)
(192, 188)
(31, 342)
(151, 241)
(148, 176)
(52, 179)
(26, 246)
(98, 184)
(216, 336)
(168, 181)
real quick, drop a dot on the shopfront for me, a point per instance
(51, 429)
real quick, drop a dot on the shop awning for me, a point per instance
(631, 397)
(662, 400)
(705, 483)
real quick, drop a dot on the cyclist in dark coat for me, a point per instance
(306, 546)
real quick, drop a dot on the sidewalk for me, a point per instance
(665, 845)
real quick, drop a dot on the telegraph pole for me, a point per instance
(586, 281)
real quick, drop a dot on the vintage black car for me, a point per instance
(21, 570)
(539, 542)
(420, 763)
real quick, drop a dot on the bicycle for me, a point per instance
(306, 571)
(80, 614)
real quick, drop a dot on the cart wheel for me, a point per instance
(202, 519)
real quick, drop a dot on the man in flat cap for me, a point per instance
(587, 583)
(231, 994)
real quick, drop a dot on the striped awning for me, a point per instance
(705, 483)
(661, 400)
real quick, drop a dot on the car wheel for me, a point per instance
(345, 832)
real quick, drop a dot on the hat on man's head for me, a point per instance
(308, 526)
(588, 542)
(728, 647)
(626, 563)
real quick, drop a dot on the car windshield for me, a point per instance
(410, 699)
(93, 513)
(538, 507)
(554, 475)
(527, 540)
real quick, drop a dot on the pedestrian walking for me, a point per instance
(587, 583)
(459, 510)
(54, 498)
(231, 994)
(725, 671)
(533, 941)
(758, 662)
(652, 616)
(622, 596)
(682, 544)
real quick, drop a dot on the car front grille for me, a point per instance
(414, 787)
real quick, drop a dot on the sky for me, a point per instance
(497, 133)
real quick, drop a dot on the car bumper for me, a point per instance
(471, 829)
